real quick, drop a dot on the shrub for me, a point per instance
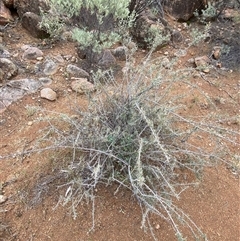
(98, 24)
(133, 134)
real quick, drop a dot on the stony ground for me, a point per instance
(27, 215)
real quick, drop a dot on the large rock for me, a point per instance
(5, 14)
(106, 60)
(34, 6)
(29, 12)
(15, 90)
(30, 21)
(183, 9)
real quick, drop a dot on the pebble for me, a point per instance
(49, 94)
(3, 199)
(30, 123)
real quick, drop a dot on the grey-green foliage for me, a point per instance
(135, 135)
(208, 14)
(105, 23)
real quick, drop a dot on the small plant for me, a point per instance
(208, 14)
(31, 110)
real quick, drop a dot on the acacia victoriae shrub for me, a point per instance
(133, 134)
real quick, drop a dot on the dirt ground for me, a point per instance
(213, 205)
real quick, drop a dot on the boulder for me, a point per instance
(183, 9)
(30, 21)
(34, 6)
(29, 11)
(106, 60)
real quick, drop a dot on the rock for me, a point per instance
(30, 21)
(49, 94)
(145, 30)
(34, 6)
(30, 123)
(82, 85)
(120, 52)
(32, 53)
(107, 59)
(45, 81)
(16, 89)
(183, 9)
(176, 36)
(203, 63)
(24, 47)
(5, 14)
(4, 53)
(59, 58)
(50, 67)
(216, 52)
(3, 199)
(8, 3)
(7, 69)
(76, 71)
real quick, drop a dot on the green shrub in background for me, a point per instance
(99, 23)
